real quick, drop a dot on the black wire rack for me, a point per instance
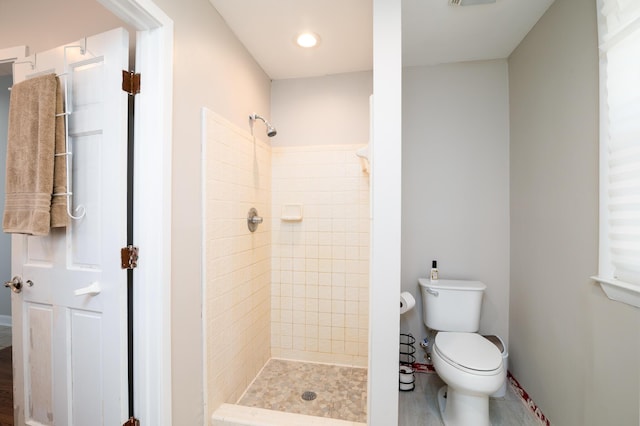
(407, 377)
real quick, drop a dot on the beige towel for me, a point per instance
(59, 216)
(30, 156)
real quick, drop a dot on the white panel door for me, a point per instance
(70, 350)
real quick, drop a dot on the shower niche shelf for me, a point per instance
(291, 213)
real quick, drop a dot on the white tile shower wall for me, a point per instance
(238, 266)
(320, 265)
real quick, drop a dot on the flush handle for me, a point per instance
(432, 291)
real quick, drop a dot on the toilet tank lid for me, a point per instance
(452, 284)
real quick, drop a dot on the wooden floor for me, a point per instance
(6, 388)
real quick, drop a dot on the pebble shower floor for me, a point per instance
(341, 392)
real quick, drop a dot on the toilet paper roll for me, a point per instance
(407, 302)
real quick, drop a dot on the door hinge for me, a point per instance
(129, 257)
(132, 422)
(130, 82)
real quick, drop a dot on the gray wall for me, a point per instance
(325, 110)
(576, 352)
(455, 184)
(5, 239)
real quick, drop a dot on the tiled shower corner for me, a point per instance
(320, 264)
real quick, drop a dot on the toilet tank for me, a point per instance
(451, 305)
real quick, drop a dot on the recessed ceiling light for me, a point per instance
(307, 40)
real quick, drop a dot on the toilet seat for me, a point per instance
(469, 352)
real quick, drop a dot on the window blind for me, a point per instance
(619, 40)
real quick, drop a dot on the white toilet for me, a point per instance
(469, 364)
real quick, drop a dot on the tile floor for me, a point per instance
(341, 391)
(420, 408)
(341, 394)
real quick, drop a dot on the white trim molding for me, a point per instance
(386, 207)
(620, 291)
(619, 242)
(13, 54)
(152, 208)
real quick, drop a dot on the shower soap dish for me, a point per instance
(291, 213)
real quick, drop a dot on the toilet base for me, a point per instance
(457, 409)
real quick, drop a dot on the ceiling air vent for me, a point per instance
(469, 2)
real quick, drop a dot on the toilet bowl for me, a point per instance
(472, 369)
(471, 366)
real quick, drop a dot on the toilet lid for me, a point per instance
(468, 350)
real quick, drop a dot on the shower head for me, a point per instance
(271, 131)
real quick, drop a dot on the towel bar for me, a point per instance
(68, 154)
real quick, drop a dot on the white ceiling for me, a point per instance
(268, 28)
(433, 32)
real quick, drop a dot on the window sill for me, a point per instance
(620, 291)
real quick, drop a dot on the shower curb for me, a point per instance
(238, 415)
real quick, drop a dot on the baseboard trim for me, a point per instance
(5, 320)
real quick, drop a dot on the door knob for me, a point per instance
(16, 284)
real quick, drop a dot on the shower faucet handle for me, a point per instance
(253, 220)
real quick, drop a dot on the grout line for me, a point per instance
(252, 382)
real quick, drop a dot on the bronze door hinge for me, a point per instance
(129, 257)
(130, 82)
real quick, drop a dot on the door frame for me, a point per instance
(151, 208)
(152, 204)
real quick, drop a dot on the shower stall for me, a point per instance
(294, 290)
